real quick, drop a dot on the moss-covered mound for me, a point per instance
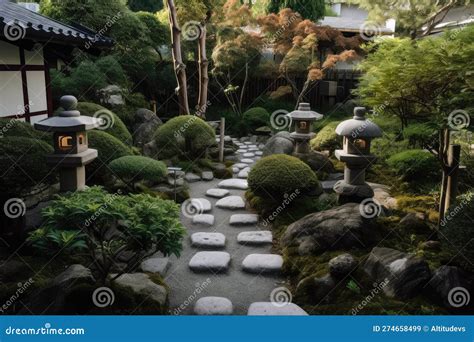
(136, 168)
(256, 117)
(281, 174)
(415, 164)
(109, 148)
(112, 123)
(16, 128)
(326, 138)
(23, 163)
(184, 136)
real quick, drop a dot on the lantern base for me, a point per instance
(349, 193)
(72, 179)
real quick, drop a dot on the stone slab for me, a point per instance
(259, 237)
(210, 262)
(217, 193)
(231, 202)
(203, 239)
(207, 175)
(262, 263)
(247, 161)
(213, 306)
(155, 265)
(243, 219)
(192, 177)
(204, 219)
(270, 309)
(234, 183)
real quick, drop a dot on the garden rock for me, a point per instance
(145, 125)
(414, 222)
(247, 161)
(317, 162)
(405, 274)
(240, 184)
(141, 284)
(338, 228)
(444, 280)
(231, 202)
(73, 274)
(342, 265)
(243, 219)
(241, 165)
(213, 306)
(207, 175)
(216, 240)
(204, 219)
(210, 262)
(201, 205)
(248, 155)
(155, 265)
(13, 269)
(280, 143)
(314, 290)
(244, 173)
(259, 237)
(270, 309)
(217, 193)
(192, 177)
(262, 263)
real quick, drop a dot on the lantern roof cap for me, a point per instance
(359, 126)
(69, 119)
(304, 112)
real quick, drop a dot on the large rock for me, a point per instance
(314, 290)
(141, 284)
(405, 275)
(342, 265)
(338, 228)
(280, 143)
(145, 125)
(317, 161)
(73, 274)
(445, 282)
(155, 265)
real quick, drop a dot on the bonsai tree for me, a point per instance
(103, 226)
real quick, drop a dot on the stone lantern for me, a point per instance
(357, 135)
(71, 152)
(303, 119)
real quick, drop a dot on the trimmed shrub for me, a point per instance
(281, 174)
(109, 148)
(326, 138)
(256, 117)
(185, 135)
(16, 128)
(23, 163)
(419, 134)
(136, 168)
(414, 164)
(117, 127)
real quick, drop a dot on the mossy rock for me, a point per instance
(137, 168)
(326, 138)
(413, 165)
(17, 128)
(279, 175)
(184, 137)
(256, 118)
(114, 124)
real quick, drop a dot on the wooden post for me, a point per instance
(221, 141)
(454, 156)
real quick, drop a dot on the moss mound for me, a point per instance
(184, 136)
(414, 164)
(279, 175)
(256, 117)
(114, 124)
(138, 168)
(326, 138)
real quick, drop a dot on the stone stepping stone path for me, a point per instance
(213, 306)
(227, 265)
(259, 237)
(205, 240)
(270, 309)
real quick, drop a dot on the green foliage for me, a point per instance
(457, 229)
(23, 163)
(281, 174)
(256, 117)
(326, 138)
(420, 134)
(145, 5)
(273, 6)
(17, 128)
(109, 148)
(159, 33)
(136, 168)
(114, 124)
(309, 9)
(184, 136)
(414, 164)
(105, 224)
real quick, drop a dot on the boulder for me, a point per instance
(445, 281)
(14, 269)
(338, 228)
(405, 274)
(414, 222)
(314, 290)
(145, 125)
(317, 161)
(112, 95)
(342, 265)
(141, 284)
(280, 143)
(155, 265)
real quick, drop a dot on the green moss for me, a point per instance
(326, 138)
(256, 117)
(136, 168)
(413, 165)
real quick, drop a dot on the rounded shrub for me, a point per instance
(23, 163)
(414, 164)
(136, 168)
(108, 147)
(114, 124)
(185, 135)
(16, 128)
(256, 117)
(281, 174)
(326, 138)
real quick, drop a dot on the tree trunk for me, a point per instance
(203, 73)
(443, 158)
(244, 86)
(179, 66)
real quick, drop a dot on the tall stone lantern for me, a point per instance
(303, 119)
(71, 151)
(357, 133)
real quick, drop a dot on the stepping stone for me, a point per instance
(252, 146)
(248, 155)
(207, 175)
(200, 205)
(241, 165)
(259, 237)
(213, 306)
(246, 161)
(210, 262)
(215, 240)
(235, 169)
(243, 219)
(204, 219)
(227, 138)
(253, 149)
(231, 202)
(234, 183)
(244, 173)
(248, 143)
(192, 177)
(261, 146)
(262, 263)
(270, 309)
(217, 193)
(258, 153)
(155, 265)
(241, 151)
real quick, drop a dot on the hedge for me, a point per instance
(414, 164)
(256, 117)
(136, 168)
